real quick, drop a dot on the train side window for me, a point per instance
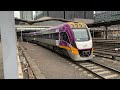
(50, 36)
(64, 37)
(40, 36)
(47, 36)
(56, 36)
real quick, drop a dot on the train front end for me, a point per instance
(82, 49)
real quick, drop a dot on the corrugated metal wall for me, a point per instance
(79, 14)
(45, 13)
(89, 14)
(56, 14)
(70, 15)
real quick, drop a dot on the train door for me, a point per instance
(64, 37)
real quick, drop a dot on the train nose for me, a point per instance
(85, 53)
(88, 53)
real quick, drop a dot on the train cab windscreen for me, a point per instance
(81, 35)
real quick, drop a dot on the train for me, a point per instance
(72, 39)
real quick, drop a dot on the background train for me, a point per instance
(70, 39)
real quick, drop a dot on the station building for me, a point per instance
(113, 31)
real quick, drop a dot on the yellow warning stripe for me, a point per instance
(65, 47)
(74, 50)
(77, 25)
(92, 50)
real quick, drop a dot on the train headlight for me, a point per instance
(74, 50)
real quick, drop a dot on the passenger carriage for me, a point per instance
(70, 39)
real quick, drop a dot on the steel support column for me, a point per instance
(93, 33)
(106, 32)
(21, 36)
(9, 48)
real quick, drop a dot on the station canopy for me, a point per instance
(57, 21)
(31, 22)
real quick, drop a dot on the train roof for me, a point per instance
(71, 24)
(77, 25)
(56, 27)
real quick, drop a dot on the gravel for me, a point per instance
(108, 62)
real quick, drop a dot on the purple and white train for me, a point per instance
(70, 39)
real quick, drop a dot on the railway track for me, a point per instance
(111, 53)
(100, 71)
(107, 50)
